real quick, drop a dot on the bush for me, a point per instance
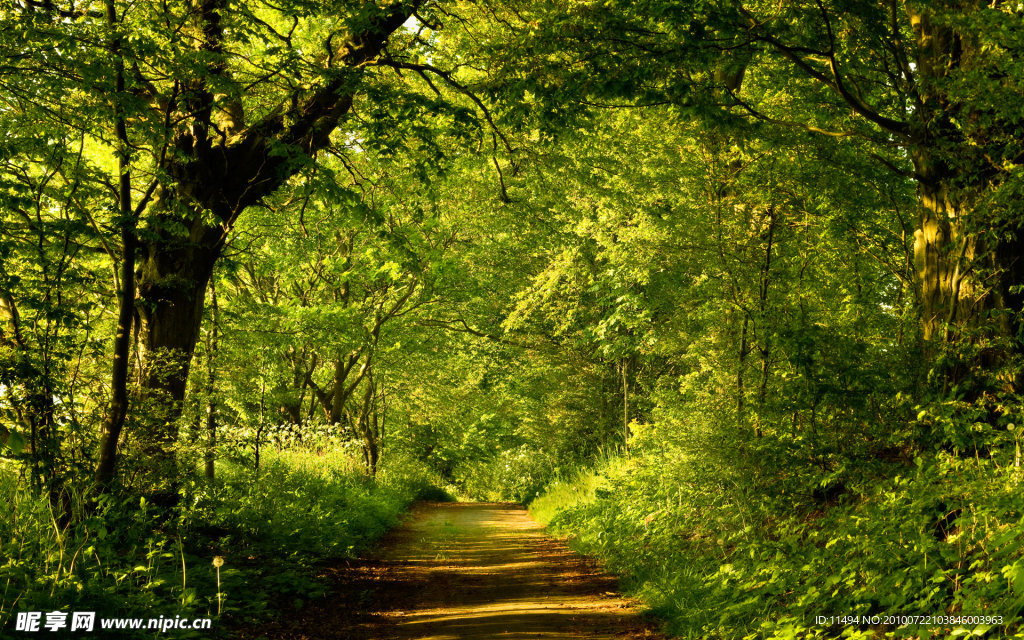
(942, 536)
(127, 558)
(518, 475)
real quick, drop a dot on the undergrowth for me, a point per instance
(127, 558)
(940, 535)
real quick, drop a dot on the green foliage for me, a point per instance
(516, 475)
(577, 489)
(129, 558)
(730, 291)
(938, 537)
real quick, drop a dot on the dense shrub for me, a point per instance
(127, 558)
(941, 536)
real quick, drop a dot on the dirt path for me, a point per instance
(468, 571)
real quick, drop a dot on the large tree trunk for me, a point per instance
(944, 251)
(968, 257)
(968, 262)
(945, 254)
(967, 281)
(172, 282)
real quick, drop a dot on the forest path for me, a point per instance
(468, 571)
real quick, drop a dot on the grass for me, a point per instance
(579, 489)
(271, 529)
(942, 536)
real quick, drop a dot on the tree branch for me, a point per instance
(834, 81)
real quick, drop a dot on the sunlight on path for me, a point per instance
(488, 571)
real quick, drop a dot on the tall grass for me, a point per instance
(128, 558)
(942, 537)
(578, 489)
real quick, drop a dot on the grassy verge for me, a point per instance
(942, 536)
(129, 559)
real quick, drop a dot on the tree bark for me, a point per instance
(624, 367)
(965, 273)
(172, 289)
(762, 302)
(113, 423)
(210, 455)
(367, 427)
(741, 365)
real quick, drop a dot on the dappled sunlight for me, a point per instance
(487, 570)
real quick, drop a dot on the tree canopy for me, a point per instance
(751, 259)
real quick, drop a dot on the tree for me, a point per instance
(924, 87)
(211, 107)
